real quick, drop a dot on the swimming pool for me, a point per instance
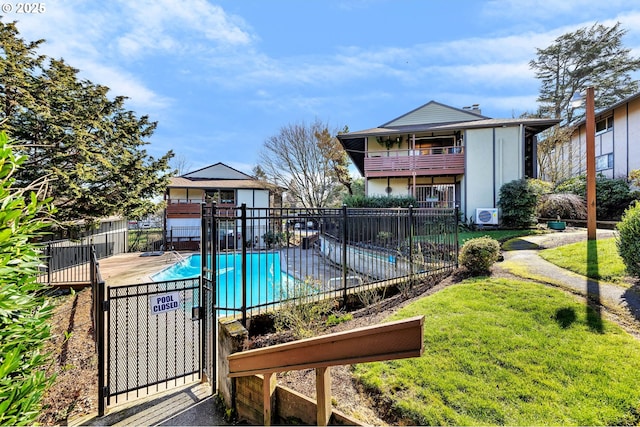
(266, 282)
(187, 268)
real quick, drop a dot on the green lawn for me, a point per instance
(142, 239)
(505, 352)
(598, 259)
(500, 235)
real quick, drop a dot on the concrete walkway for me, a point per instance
(522, 260)
(192, 405)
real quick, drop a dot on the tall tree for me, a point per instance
(296, 158)
(331, 149)
(87, 144)
(589, 56)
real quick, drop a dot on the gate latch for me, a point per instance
(195, 313)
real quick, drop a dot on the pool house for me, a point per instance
(218, 183)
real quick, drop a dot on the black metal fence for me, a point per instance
(151, 341)
(264, 257)
(183, 238)
(68, 262)
(145, 240)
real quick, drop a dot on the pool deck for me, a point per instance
(132, 268)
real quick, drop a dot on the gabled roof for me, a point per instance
(222, 184)
(218, 176)
(433, 113)
(217, 171)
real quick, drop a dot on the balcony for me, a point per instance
(178, 208)
(424, 162)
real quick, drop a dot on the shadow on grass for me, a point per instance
(565, 317)
(594, 309)
(632, 298)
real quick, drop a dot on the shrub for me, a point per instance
(613, 196)
(478, 255)
(302, 313)
(272, 238)
(628, 240)
(561, 205)
(540, 187)
(518, 200)
(380, 201)
(24, 311)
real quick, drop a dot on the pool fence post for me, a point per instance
(411, 269)
(345, 234)
(243, 233)
(457, 221)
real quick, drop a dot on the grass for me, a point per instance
(511, 352)
(597, 259)
(463, 236)
(499, 235)
(142, 239)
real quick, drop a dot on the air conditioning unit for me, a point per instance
(487, 216)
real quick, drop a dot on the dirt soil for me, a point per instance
(75, 364)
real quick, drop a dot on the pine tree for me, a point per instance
(88, 145)
(589, 56)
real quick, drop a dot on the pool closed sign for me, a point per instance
(164, 303)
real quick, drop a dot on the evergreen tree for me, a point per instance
(589, 56)
(88, 145)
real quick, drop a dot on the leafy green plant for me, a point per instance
(628, 240)
(540, 187)
(337, 318)
(359, 201)
(24, 311)
(272, 238)
(518, 200)
(478, 255)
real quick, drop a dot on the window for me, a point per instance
(434, 144)
(604, 124)
(222, 196)
(227, 196)
(604, 162)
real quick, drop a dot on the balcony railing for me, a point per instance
(432, 161)
(182, 208)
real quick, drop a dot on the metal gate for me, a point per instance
(153, 337)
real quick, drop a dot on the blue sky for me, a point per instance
(221, 77)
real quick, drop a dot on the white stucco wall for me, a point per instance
(253, 198)
(195, 195)
(377, 187)
(494, 157)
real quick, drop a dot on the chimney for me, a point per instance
(475, 108)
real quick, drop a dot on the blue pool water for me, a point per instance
(186, 269)
(265, 279)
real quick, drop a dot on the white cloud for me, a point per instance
(172, 26)
(87, 36)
